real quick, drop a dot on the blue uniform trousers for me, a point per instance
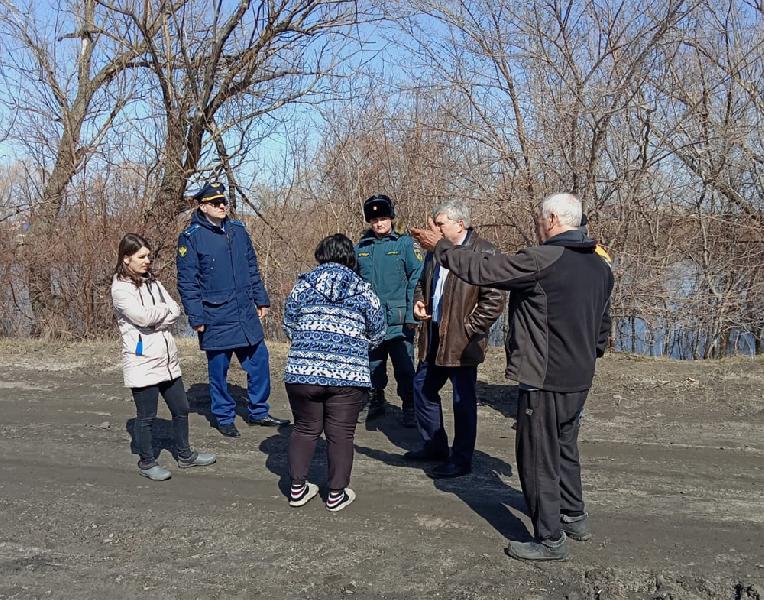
(428, 382)
(401, 353)
(254, 360)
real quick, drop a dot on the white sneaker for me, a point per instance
(310, 491)
(155, 473)
(198, 459)
(348, 496)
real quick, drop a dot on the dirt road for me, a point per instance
(673, 459)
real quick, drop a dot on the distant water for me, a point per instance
(680, 343)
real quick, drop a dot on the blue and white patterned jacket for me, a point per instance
(332, 317)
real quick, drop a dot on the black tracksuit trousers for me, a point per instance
(547, 457)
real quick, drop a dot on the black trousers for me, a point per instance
(401, 353)
(146, 401)
(333, 411)
(547, 457)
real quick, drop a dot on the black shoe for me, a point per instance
(538, 551)
(376, 405)
(450, 469)
(576, 528)
(375, 412)
(423, 454)
(267, 421)
(229, 430)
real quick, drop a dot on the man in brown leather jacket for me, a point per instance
(456, 317)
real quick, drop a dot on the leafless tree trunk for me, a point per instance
(68, 90)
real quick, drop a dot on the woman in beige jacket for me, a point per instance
(145, 312)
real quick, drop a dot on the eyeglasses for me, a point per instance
(216, 203)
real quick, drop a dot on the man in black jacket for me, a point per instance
(559, 325)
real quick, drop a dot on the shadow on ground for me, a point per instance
(484, 490)
(501, 398)
(276, 449)
(199, 401)
(161, 437)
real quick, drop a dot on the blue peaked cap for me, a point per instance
(212, 190)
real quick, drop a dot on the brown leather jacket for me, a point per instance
(467, 313)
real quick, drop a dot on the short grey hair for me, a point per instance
(566, 206)
(456, 210)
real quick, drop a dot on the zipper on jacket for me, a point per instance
(164, 337)
(167, 347)
(233, 276)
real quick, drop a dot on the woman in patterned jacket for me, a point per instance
(332, 317)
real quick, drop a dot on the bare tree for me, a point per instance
(240, 63)
(64, 84)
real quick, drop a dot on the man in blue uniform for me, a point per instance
(224, 297)
(391, 263)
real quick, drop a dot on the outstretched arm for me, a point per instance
(493, 269)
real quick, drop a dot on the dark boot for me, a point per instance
(409, 416)
(539, 551)
(576, 528)
(376, 404)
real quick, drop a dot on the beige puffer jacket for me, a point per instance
(144, 315)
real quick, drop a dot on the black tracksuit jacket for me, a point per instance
(559, 306)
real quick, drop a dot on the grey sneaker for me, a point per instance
(576, 528)
(155, 473)
(197, 459)
(537, 551)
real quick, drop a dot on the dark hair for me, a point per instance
(336, 248)
(129, 245)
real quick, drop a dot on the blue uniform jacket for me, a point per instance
(219, 283)
(392, 265)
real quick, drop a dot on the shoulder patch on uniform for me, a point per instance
(182, 250)
(418, 252)
(190, 229)
(603, 254)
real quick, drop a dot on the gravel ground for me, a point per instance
(672, 457)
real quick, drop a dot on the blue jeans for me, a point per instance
(401, 353)
(254, 360)
(428, 382)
